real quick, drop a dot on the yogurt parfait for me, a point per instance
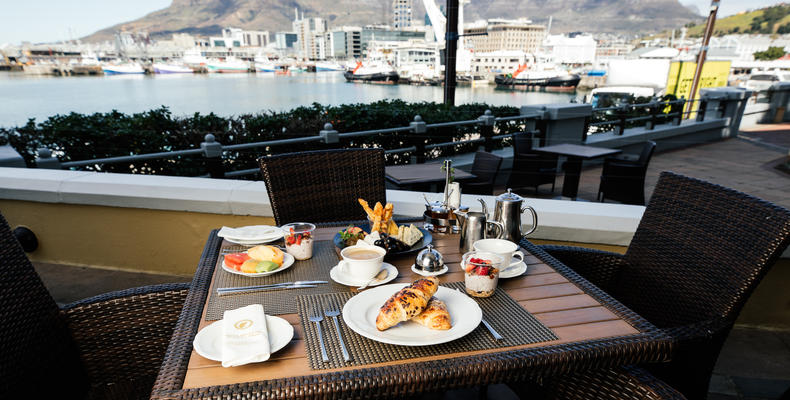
(480, 273)
(299, 239)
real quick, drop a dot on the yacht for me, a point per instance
(263, 64)
(228, 65)
(324, 66)
(171, 68)
(548, 79)
(122, 68)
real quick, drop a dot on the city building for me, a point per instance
(401, 13)
(310, 37)
(236, 37)
(285, 40)
(346, 42)
(503, 61)
(384, 33)
(504, 34)
(570, 49)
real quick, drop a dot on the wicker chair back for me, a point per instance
(323, 186)
(38, 356)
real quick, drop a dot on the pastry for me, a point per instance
(435, 315)
(407, 303)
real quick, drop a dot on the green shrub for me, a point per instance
(76, 137)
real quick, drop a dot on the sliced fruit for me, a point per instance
(267, 253)
(266, 266)
(234, 260)
(250, 266)
(469, 268)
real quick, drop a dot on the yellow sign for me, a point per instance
(681, 76)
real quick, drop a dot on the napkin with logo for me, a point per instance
(249, 232)
(245, 338)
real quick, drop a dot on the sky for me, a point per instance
(54, 20)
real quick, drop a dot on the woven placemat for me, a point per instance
(506, 316)
(275, 302)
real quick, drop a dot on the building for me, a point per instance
(503, 61)
(346, 42)
(384, 33)
(571, 49)
(235, 37)
(284, 40)
(505, 34)
(401, 13)
(310, 37)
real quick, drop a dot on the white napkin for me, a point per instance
(245, 338)
(253, 232)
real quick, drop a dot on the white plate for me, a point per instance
(344, 279)
(288, 260)
(266, 233)
(360, 313)
(208, 342)
(426, 273)
(254, 242)
(514, 271)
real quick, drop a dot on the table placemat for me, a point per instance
(275, 302)
(506, 316)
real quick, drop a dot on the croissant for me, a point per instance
(407, 303)
(435, 315)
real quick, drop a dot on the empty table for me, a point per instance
(573, 167)
(422, 174)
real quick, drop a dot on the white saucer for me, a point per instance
(426, 273)
(344, 279)
(514, 271)
(208, 342)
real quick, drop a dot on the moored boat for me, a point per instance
(326, 66)
(549, 80)
(122, 69)
(374, 73)
(165, 68)
(228, 65)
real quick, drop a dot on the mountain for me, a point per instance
(206, 17)
(768, 20)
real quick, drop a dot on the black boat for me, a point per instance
(557, 82)
(373, 74)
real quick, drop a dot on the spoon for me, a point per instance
(380, 276)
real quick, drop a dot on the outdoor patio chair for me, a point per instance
(108, 346)
(624, 180)
(324, 185)
(697, 255)
(485, 169)
(623, 383)
(530, 169)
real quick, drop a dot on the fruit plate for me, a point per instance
(360, 313)
(421, 244)
(288, 260)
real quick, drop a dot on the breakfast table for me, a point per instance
(587, 329)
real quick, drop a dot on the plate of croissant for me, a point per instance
(418, 314)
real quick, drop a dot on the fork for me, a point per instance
(315, 316)
(333, 313)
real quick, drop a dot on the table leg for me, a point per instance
(570, 185)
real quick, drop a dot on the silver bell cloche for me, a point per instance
(429, 260)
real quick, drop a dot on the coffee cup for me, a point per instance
(503, 248)
(361, 262)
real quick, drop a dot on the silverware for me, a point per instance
(381, 275)
(333, 313)
(271, 285)
(494, 333)
(261, 289)
(316, 317)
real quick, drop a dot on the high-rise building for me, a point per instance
(345, 42)
(505, 34)
(401, 13)
(310, 35)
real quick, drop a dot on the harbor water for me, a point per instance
(24, 96)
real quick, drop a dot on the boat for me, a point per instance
(324, 66)
(263, 64)
(373, 73)
(549, 80)
(122, 69)
(228, 65)
(165, 68)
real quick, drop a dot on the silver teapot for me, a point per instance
(508, 210)
(475, 226)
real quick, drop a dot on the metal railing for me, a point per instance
(213, 151)
(650, 114)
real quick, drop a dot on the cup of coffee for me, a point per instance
(361, 262)
(503, 248)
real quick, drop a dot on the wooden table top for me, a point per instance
(575, 150)
(564, 307)
(410, 174)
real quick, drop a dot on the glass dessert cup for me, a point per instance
(299, 239)
(481, 273)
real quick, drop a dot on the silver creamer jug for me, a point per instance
(508, 210)
(475, 226)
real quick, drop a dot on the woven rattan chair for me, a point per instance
(323, 186)
(108, 346)
(624, 180)
(697, 255)
(623, 383)
(485, 168)
(530, 169)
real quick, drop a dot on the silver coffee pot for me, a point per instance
(508, 210)
(475, 226)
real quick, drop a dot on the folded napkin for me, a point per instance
(245, 338)
(250, 232)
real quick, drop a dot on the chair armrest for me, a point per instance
(597, 266)
(617, 383)
(122, 336)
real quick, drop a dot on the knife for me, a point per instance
(277, 286)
